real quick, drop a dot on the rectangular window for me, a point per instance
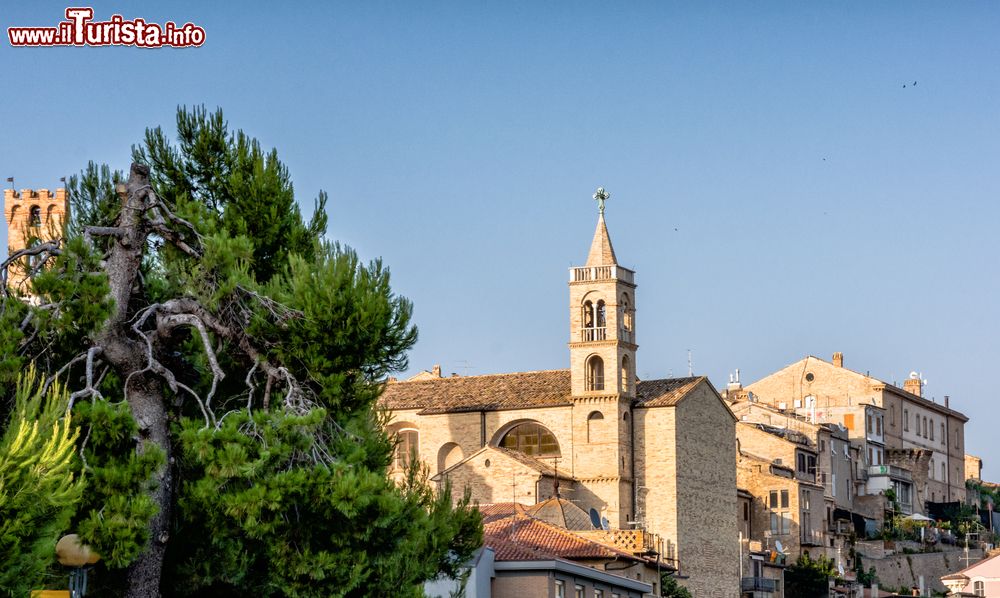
(878, 426)
(786, 523)
(869, 424)
(833, 484)
(774, 499)
(822, 445)
(560, 589)
(784, 499)
(579, 591)
(932, 429)
(746, 512)
(906, 420)
(775, 525)
(598, 593)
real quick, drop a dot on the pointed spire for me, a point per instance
(601, 251)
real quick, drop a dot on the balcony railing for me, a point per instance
(758, 584)
(812, 536)
(593, 334)
(592, 273)
(889, 470)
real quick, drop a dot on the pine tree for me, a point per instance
(225, 371)
(39, 491)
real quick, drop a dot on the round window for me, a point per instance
(809, 377)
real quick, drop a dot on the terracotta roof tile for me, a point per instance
(545, 540)
(493, 392)
(519, 390)
(665, 392)
(499, 510)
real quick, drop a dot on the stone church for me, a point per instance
(652, 455)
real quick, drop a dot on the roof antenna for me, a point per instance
(690, 365)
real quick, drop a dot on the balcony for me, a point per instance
(812, 537)
(758, 584)
(889, 470)
(594, 273)
(593, 334)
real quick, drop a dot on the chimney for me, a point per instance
(912, 384)
(947, 399)
(734, 385)
(436, 371)
(838, 359)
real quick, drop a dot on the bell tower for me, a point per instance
(602, 370)
(31, 216)
(602, 319)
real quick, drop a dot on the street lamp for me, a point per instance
(72, 553)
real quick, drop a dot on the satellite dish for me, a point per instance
(914, 376)
(777, 544)
(604, 523)
(595, 519)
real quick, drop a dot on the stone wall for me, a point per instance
(904, 570)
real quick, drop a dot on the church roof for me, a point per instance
(601, 251)
(519, 390)
(665, 392)
(494, 392)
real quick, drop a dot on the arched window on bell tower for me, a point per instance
(627, 320)
(626, 375)
(595, 373)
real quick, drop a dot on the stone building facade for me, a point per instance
(879, 415)
(654, 455)
(31, 216)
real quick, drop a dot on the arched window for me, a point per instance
(944, 473)
(35, 216)
(48, 213)
(595, 373)
(906, 420)
(628, 423)
(407, 447)
(626, 368)
(979, 588)
(925, 427)
(449, 455)
(532, 439)
(932, 429)
(942, 432)
(626, 313)
(588, 314)
(593, 424)
(13, 213)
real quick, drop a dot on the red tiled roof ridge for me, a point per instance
(443, 378)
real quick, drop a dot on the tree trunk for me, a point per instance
(145, 392)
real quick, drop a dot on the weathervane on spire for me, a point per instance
(601, 196)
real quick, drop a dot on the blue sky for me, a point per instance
(776, 188)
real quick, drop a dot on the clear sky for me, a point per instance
(775, 186)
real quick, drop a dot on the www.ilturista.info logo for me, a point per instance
(79, 29)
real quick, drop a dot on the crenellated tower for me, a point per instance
(31, 216)
(602, 363)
